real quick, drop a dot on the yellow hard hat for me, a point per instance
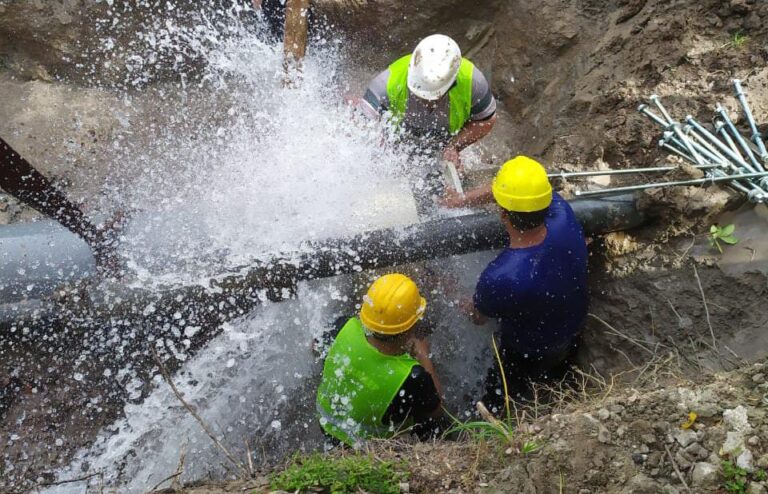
(522, 186)
(393, 305)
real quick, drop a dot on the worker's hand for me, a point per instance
(451, 153)
(467, 306)
(452, 199)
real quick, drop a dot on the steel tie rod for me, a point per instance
(696, 181)
(756, 137)
(626, 171)
(737, 135)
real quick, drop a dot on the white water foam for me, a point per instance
(269, 167)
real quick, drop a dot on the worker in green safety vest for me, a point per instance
(378, 378)
(435, 96)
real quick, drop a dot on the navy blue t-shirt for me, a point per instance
(539, 293)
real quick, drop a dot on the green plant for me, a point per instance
(735, 478)
(529, 447)
(491, 427)
(345, 475)
(480, 430)
(723, 234)
(739, 39)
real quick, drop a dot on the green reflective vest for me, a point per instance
(459, 96)
(358, 385)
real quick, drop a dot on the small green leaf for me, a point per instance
(727, 230)
(730, 239)
(713, 229)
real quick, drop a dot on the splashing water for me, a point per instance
(269, 167)
(243, 166)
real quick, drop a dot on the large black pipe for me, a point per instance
(447, 237)
(21, 180)
(160, 318)
(231, 295)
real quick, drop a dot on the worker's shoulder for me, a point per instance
(560, 213)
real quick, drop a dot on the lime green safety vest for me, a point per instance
(358, 385)
(459, 96)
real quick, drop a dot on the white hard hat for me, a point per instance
(434, 66)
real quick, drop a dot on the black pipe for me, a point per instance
(158, 318)
(21, 180)
(447, 237)
(273, 279)
(231, 295)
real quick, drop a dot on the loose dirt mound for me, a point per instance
(629, 442)
(614, 441)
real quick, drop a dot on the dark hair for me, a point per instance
(527, 221)
(388, 337)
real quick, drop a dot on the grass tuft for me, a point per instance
(739, 39)
(736, 479)
(345, 475)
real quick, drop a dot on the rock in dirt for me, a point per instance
(704, 474)
(697, 451)
(685, 437)
(641, 484)
(603, 435)
(746, 461)
(734, 443)
(736, 419)
(755, 488)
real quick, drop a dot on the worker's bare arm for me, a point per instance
(475, 197)
(472, 132)
(420, 349)
(467, 306)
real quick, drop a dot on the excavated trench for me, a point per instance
(568, 75)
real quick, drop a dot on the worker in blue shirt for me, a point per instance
(536, 287)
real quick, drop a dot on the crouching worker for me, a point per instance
(537, 287)
(378, 379)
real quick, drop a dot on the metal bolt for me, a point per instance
(700, 149)
(735, 153)
(755, 192)
(731, 153)
(688, 144)
(691, 131)
(703, 148)
(743, 166)
(643, 108)
(656, 101)
(737, 136)
(665, 145)
(756, 137)
(755, 196)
